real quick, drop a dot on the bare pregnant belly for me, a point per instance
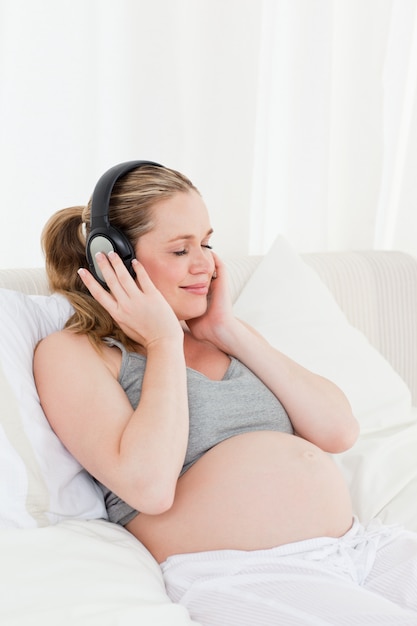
(252, 491)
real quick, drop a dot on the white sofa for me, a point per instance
(64, 563)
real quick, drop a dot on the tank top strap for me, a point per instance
(110, 341)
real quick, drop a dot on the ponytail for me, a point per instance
(64, 249)
(63, 243)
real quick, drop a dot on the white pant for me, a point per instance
(368, 576)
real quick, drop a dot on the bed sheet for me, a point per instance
(82, 573)
(381, 470)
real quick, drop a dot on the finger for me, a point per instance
(142, 276)
(119, 281)
(102, 296)
(219, 268)
(111, 266)
(218, 263)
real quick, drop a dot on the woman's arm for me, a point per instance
(139, 453)
(318, 409)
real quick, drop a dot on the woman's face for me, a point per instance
(176, 253)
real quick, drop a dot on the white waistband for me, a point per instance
(352, 554)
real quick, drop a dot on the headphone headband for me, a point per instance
(103, 237)
(100, 201)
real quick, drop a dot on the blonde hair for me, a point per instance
(64, 238)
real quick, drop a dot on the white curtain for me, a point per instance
(89, 83)
(336, 140)
(291, 116)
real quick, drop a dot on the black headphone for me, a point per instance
(103, 237)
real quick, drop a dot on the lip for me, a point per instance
(199, 289)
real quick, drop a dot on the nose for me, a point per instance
(202, 262)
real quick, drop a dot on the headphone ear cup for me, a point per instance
(103, 237)
(107, 240)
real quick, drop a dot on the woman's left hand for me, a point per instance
(217, 322)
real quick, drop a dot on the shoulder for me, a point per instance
(67, 349)
(64, 345)
(64, 338)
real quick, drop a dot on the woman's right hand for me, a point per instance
(136, 305)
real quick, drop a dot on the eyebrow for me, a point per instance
(186, 237)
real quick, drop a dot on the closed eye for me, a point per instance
(184, 251)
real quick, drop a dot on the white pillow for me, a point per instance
(40, 482)
(288, 303)
(82, 573)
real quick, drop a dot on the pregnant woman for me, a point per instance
(211, 446)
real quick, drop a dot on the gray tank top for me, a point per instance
(236, 404)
